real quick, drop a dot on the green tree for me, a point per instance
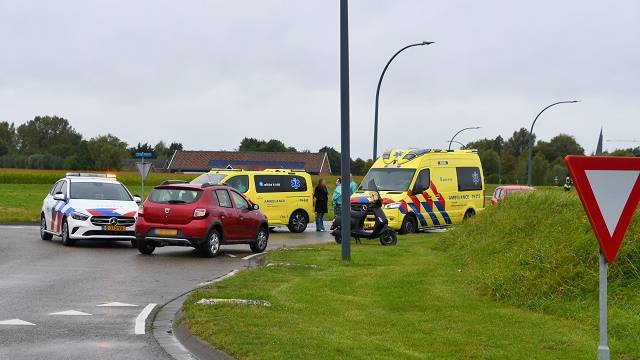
(358, 166)
(558, 147)
(490, 165)
(518, 143)
(539, 169)
(487, 144)
(47, 135)
(7, 138)
(107, 151)
(146, 148)
(252, 144)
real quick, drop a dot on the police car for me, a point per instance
(89, 206)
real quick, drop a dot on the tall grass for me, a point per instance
(538, 251)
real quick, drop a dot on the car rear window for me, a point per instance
(99, 191)
(174, 196)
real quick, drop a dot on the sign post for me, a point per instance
(143, 169)
(609, 189)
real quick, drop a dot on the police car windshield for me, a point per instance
(208, 178)
(99, 191)
(388, 179)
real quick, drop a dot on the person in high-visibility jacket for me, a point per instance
(567, 184)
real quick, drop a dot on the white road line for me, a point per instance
(71, 313)
(141, 320)
(251, 256)
(15, 322)
(231, 255)
(227, 275)
(115, 304)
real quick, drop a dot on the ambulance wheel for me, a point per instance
(66, 240)
(43, 226)
(408, 226)
(388, 238)
(468, 215)
(298, 221)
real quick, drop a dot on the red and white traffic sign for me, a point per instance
(609, 188)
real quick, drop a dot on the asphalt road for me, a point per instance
(39, 278)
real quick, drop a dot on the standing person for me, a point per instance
(320, 199)
(337, 199)
(352, 186)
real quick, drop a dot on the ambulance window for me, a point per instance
(469, 178)
(240, 183)
(422, 182)
(280, 183)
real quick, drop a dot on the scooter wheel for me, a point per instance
(338, 239)
(388, 238)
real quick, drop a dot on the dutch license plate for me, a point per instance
(166, 232)
(114, 228)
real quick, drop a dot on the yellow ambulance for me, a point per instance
(424, 188)
(285, 196)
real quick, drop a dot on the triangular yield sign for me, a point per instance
(15, 322)
(609, 188)
(71, 313)
(115, 304)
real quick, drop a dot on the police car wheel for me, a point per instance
(66, 240)
(298, 222)
(408, 226)
(43, 226)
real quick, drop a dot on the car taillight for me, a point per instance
(199, 213)
(140, 211)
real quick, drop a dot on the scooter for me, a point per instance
(380, 227)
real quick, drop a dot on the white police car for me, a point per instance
(89, 206)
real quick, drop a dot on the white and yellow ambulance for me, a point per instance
(424, 188)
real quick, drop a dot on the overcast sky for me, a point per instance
(208, 73)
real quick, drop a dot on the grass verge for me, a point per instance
(410, 301)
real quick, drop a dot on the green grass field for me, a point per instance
(516, 282)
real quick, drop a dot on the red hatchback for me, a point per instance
(502, 191)
(201, 216)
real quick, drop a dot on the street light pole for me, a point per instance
(456, 134)
(531, 136)
(375, 127)
(345, 160)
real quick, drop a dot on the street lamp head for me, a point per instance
(427, 42)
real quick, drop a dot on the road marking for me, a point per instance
(71, 313)
(227, 275)
(15, 322)
(115, 304)
(251, 256)
(231, 255)
(141, 320)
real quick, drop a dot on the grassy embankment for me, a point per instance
(517, 282)
(22, 190)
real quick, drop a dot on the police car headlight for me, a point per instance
(394, 205)
(79, 216)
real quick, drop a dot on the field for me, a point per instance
(517, 282)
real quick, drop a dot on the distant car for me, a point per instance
(502, 191)
(88, 206)
(200, 216)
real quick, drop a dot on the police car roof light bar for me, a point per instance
(79, 174)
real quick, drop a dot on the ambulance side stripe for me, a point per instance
(433, 216)
(416, 211)
(444, 214)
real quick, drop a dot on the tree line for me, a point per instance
(50, 142)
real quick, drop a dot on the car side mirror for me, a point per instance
(59, 197)
(255, 207)
(137, 199)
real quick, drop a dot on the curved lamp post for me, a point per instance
(456, 134)
(531, 136)
(456, 142)
(375, 128)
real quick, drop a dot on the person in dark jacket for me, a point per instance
(320, 199)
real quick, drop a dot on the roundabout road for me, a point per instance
(49, 293)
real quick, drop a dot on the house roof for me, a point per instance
(205, 160)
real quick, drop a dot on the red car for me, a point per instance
(504, 190)
(201, 216)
